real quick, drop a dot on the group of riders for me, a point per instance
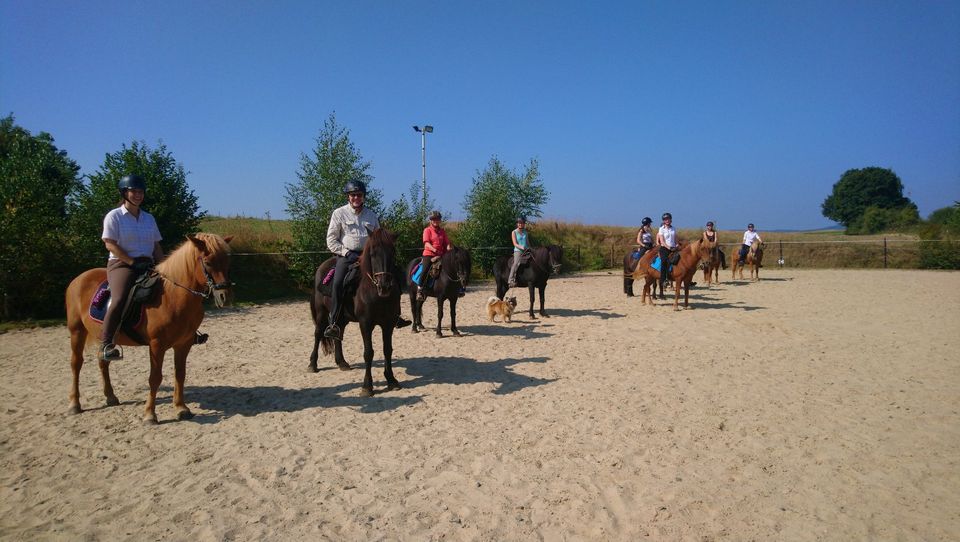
(666, 241)
(131, 236)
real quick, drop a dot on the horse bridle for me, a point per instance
(377, 276)
(211, 285)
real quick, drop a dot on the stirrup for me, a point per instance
(110, 352)
(332, 332)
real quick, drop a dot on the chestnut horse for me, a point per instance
(375, 303)
(691, 256)
(754, 259)
(452, 279)
(196, 270)
(629, 266)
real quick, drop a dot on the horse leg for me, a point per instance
(628, 286)
(453, 317)
(78, 339)
(412, 294)
(387, 337)
(156, 376)
(366, 331)
(107, 385)
(317, 337)
(179, 375)
(439, 313)
(542, 311)
(530, 289)
(676, 294)
(338, 352)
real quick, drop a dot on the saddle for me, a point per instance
(351, 281)
(144, 290)
(417, 270)
(672, 261)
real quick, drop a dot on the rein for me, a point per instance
(211, 285)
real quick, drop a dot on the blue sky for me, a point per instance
(731, 111)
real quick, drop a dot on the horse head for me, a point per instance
(703, 251)
(555, 253)
(376, 260)
(214, 258)
(462, 264)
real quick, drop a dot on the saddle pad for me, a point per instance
(100, 302)
(329, 275)
(415, 273)
(656, 263)
(351, 280)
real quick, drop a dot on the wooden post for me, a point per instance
(884, 252)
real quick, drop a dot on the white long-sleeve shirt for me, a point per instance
(749, 236)
(348, 229)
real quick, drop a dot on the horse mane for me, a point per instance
(183, 261)
(378, 238)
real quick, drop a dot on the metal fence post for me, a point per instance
(780, 261)
(884, 252)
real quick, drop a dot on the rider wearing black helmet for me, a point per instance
(133, 239)
(645, 236)
(347, 233)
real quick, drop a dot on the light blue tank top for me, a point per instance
(521, 240)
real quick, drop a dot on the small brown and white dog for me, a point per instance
(504, 308)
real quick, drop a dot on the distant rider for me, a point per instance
(749, 237)
(520, 245)
(435, 244)
(667, 240)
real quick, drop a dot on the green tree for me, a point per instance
(169, 198)
(498, 196)
(406, 218)
(311, 200)
(36, 178)
(859, 189)
(947, 217)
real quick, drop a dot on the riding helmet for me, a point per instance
(131, 182)
(666, 216)
(709, 223)
(435, 215)
(355, 186)
(646, 221)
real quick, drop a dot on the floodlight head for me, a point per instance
(428, 129)
(416, 128)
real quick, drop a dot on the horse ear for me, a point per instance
(369, 229)
(227, 239)
(196, 242)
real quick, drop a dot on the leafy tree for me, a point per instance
(319, 190)
(169, 198)
(859, 189)
(876, 219)
(947, 217)
(498, 196)
(406, 218)
(35, 180)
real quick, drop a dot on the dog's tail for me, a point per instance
(492, 299)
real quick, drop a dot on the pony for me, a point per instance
(629, 266)
(691, 256)
(198, 269)
(711, 269)
(454, 274)
(544, 262)
(375, 303)
(754, 259)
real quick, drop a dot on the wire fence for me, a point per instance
(265, 275)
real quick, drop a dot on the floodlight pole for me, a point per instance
(423, 159)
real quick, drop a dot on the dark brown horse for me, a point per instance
(681, 273)
(754, 259)
(711, 269)
(375, 303)
(196, 270)
(544, 262)
(451, 281)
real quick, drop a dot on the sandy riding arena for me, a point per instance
(813, 405)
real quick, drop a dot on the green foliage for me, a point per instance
(168, 197)
(35, 264)
(876, 219)
(859, 189)
(311, 200)
(947, 218)
(498, 196)
(406, 218)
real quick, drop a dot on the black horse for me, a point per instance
(450, 282)
(375, 303)
(544, 262)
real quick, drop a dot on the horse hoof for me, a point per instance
(312, 369)
(439, 335)
(184, 415)
(366, 392)
(393, 386)
(112, 401)
(74, 410)
(545, 315)
(414, 329)
(344, 366)
(150, 420)
(457, 334)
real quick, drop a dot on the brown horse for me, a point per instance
(754, 259)
(691, 256)
(711, 269)
(375, 303)
(196, 270)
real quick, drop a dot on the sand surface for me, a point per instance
(813, 405)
